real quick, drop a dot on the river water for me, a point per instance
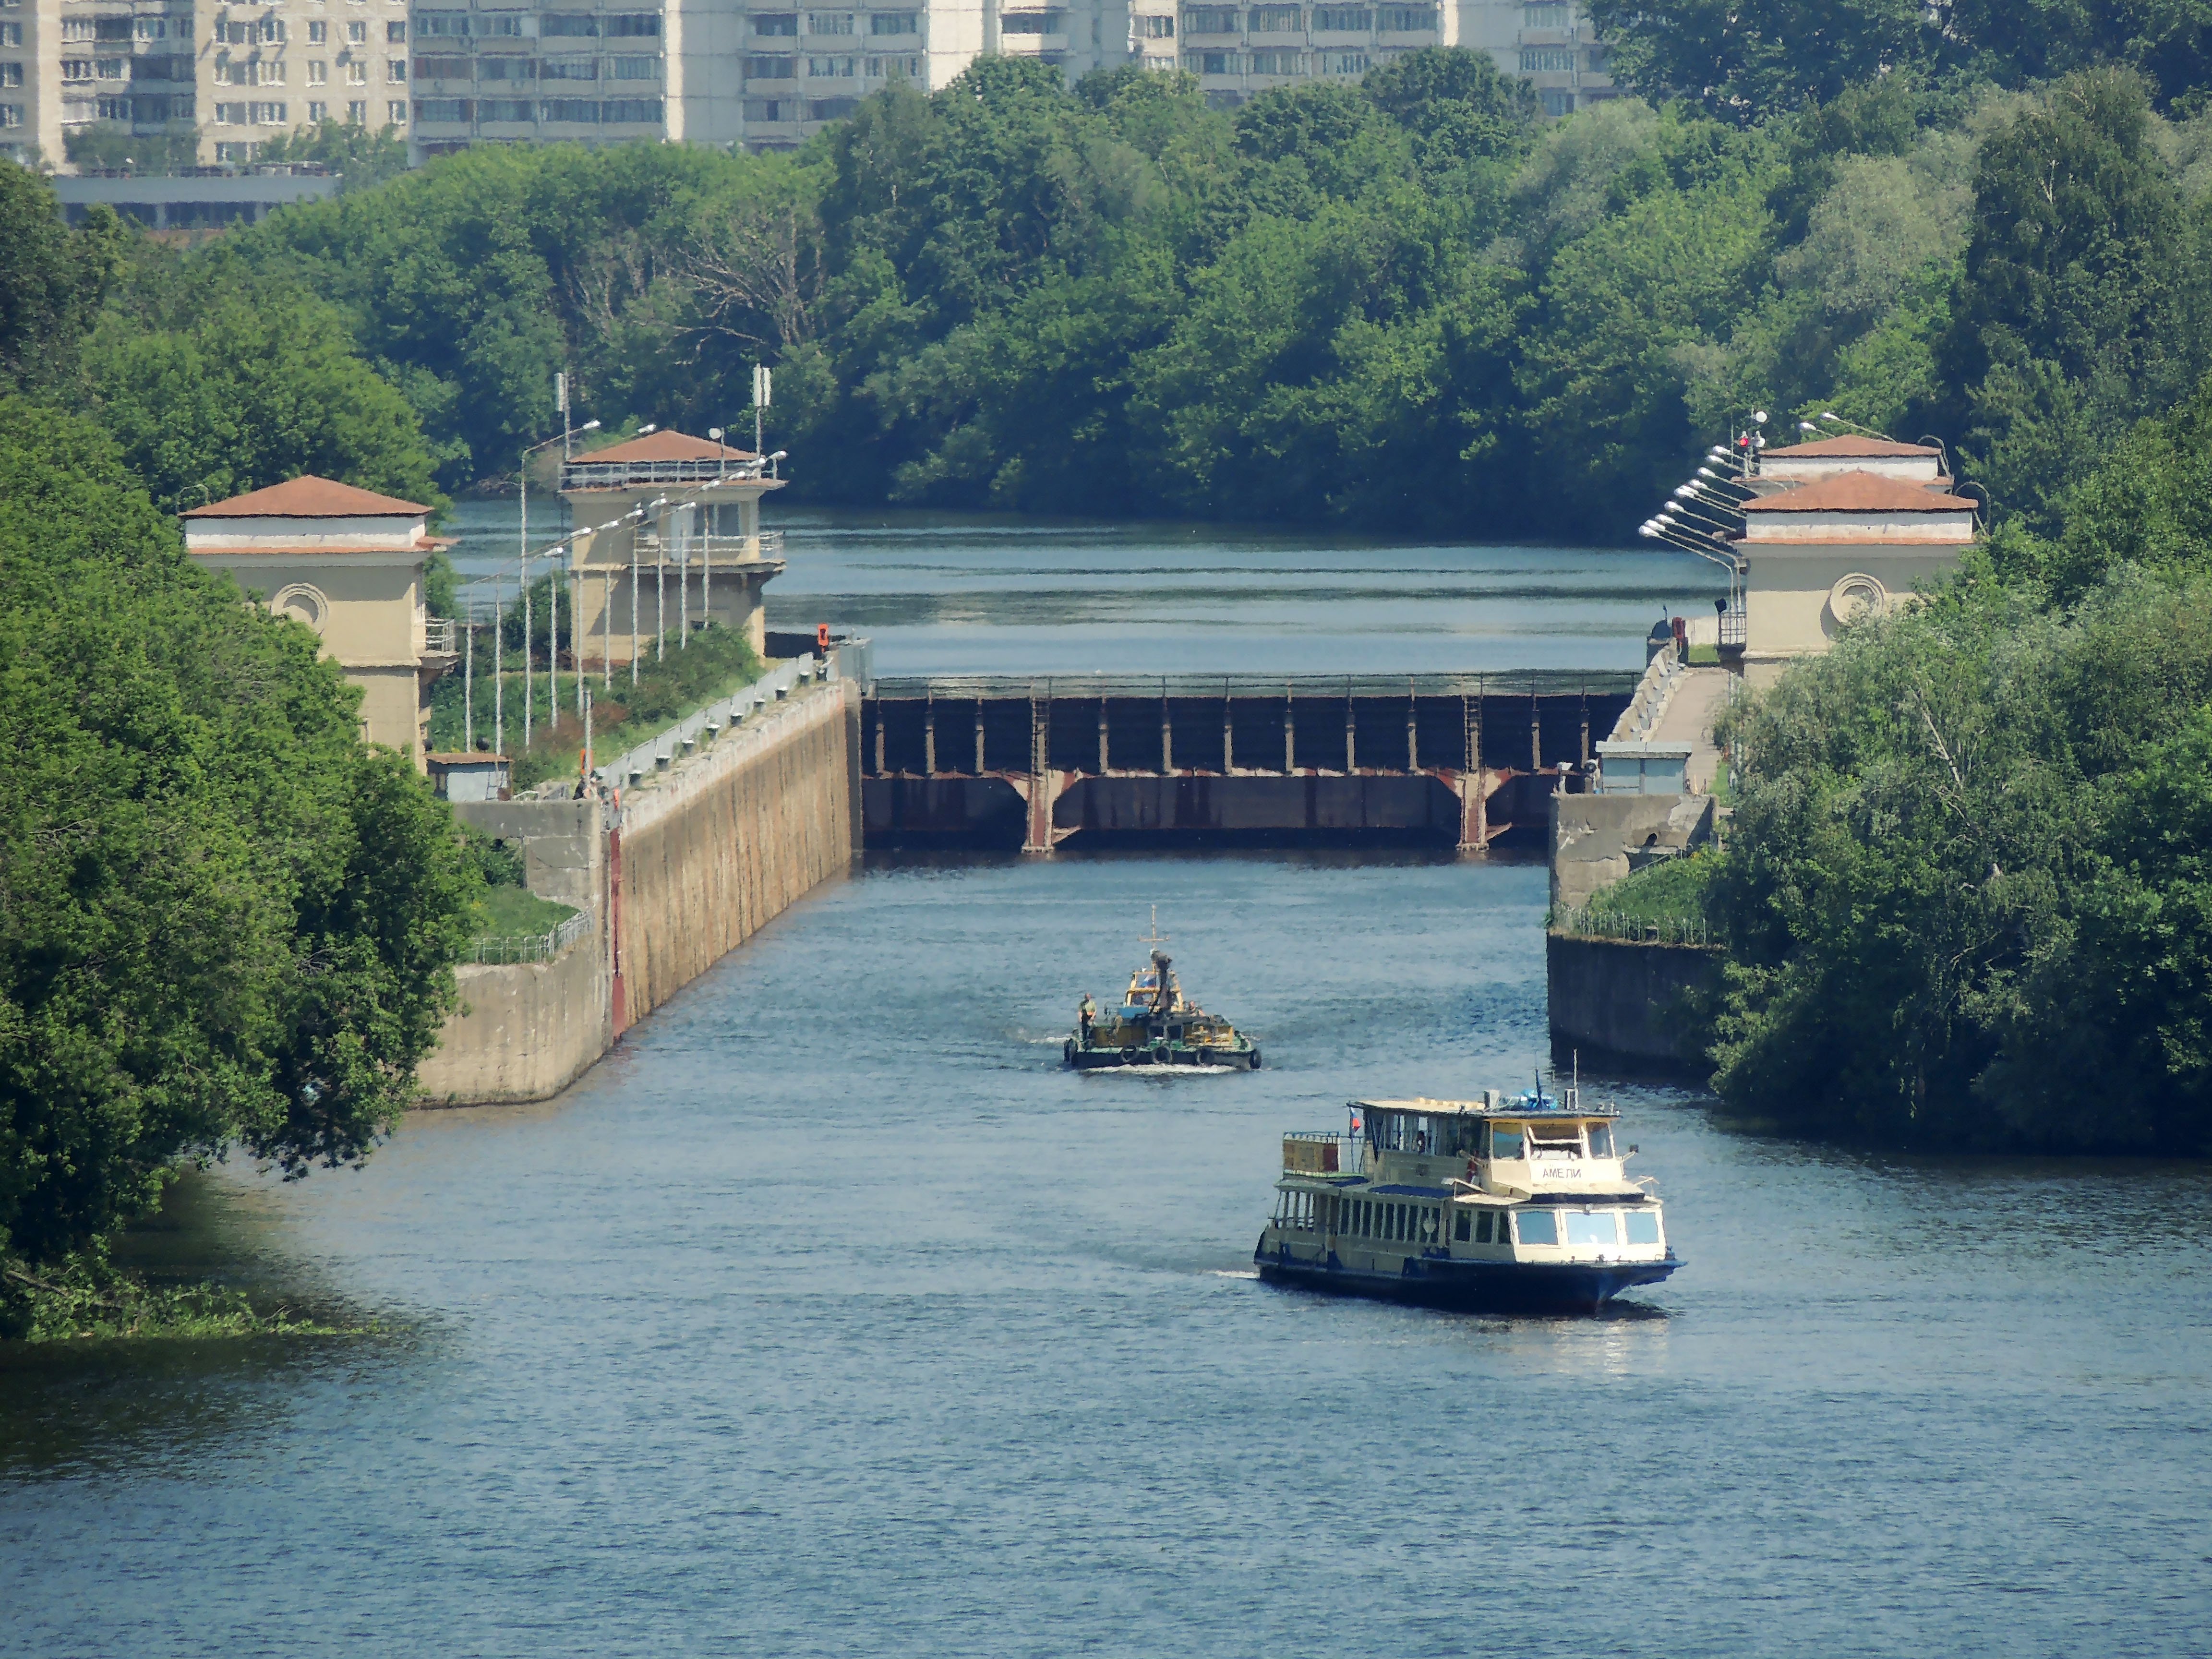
(829, 1316)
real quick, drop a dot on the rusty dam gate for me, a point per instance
(1034, 763)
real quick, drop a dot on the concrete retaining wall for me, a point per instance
(1592, 836)
(703, 855)
(716, 848)
(526, 1031)
(1613, 999)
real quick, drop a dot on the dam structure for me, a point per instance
(1461, 760)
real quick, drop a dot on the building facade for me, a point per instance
(347, 564)
(763, 74)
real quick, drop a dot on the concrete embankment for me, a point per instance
(1622, 1000)
(694, 861)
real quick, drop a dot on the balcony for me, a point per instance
(711, 552)
(616, 475)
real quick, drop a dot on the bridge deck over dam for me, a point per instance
(1017, 761)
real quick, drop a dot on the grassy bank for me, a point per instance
(715, 663)
(87, 1297)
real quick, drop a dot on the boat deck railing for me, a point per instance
(1320, 1152)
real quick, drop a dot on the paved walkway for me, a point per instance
(1700, 698)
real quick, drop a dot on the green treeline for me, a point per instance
(1415, 301)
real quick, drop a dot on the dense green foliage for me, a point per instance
(223, 921)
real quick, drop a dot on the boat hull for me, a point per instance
(1171, 1054)
(1472, 1286)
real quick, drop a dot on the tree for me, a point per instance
(222, 920)
(51, 279)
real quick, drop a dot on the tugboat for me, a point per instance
(1516, 1204)
(1155, 1025)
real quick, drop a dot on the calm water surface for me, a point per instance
(829, 1317)
(945, 593)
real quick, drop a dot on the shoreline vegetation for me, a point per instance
(86, 1298)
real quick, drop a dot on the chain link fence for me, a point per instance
(500, 950)
(1582, 921)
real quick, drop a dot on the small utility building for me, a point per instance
(347, 564)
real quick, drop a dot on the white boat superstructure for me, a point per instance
(1520, 1201)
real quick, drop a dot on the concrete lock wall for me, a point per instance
(1618, 999)
(714, 849)
(710, 852)
(1592, 836)
(525, 1031)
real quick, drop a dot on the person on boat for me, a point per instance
(1083, 1015)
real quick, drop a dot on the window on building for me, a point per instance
(1547, 60)
(569, 109)
(635, 26)
(830, 22)
(554, 25)
(1558, 101)
(633, 109)
(268, 115)
(833, 67)
(11, 34)
(569, 69)
(776, 24)
(1345, 62)
(1154, 28)
(505, 109)
(440, 109)
(76, 29)
(1210, 19)
(1033, 22)
(357, 76)
(637, 68)
(1405, 19)
(234, 152)
(150, 29)
(895, 23)
(111, 68)
(111, 28)
(1546, 16)
(761, 67)
(436, 69)
(1279, 60)
(1344, 20)
(506, 69)
(508, 26)
(357, 114)
(1214, 63)
(318, 32)
(356, 34)
(319, 113)
(11, 75)
(395, 72)
(771, 109)
(396, 112)
(440, 23)
(830, 109)
(1277, 20)
(903, 68)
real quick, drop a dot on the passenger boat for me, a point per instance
(1520, 1203)
(1157, 1025)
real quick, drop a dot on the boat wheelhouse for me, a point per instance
(1520, 1202)
(1157, 1025)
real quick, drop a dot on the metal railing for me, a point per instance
(1582, 921)
(602, 475)
(696, 550)
(440, 634)
(705, 725)
(1550, 681)
(500, 950)
(1320, 1152)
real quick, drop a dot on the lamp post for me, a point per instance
(522, 542)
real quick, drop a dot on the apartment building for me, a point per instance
(759, 73)
(236, 75)
(1236, 51)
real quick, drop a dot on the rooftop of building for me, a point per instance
(309, 497)
(664, 445)
(1860, 492)
(1848, 447)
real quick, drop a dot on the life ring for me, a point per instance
(1256, 1059)
(1161, 1056)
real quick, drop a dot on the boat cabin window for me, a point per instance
(1595, 1227)
(1601, 1139)
(1641, 1226)
(1536, 1227)
(1556, 1140)
(1482, 1228)
(1505, 1140)
(1463, 1227)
